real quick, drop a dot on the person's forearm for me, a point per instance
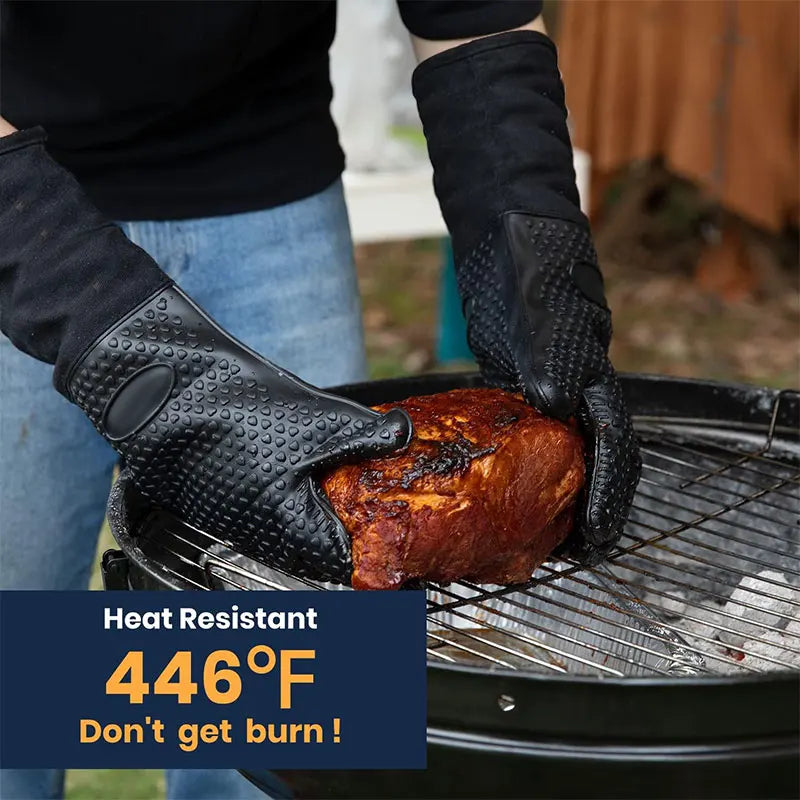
(6, 128)
(66, 272)
(425, 48)
(495, 121)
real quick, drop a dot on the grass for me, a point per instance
(115, 784)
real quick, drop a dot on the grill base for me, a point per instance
(564, 772)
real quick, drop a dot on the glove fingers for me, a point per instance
(543, 393)
(613, 467)
(321, 551)
(359, 439)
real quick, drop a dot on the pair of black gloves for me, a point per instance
(231, 443)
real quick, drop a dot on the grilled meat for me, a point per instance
(484, 491)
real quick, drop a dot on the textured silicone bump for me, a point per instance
(486, 312)
(580, 330)
(533, 330)
(233, 448)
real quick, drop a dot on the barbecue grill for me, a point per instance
(671, 670)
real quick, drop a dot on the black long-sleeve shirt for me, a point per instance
(161, 110)
(169, 110)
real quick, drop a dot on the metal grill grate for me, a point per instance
(705, 580)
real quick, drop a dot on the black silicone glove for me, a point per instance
(537, 319)
(208, 429)
(223, 438)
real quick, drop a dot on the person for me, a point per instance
(203, 131)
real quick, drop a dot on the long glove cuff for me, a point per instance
(495, 121)
(66, 272)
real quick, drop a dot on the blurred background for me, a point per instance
(685, 117)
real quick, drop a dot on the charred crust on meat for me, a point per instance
(448, 458)
(506, 418)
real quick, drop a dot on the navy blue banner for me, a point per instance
(269, 680)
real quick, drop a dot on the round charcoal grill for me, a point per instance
(671, 670)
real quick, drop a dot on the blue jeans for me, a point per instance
(283, 281)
